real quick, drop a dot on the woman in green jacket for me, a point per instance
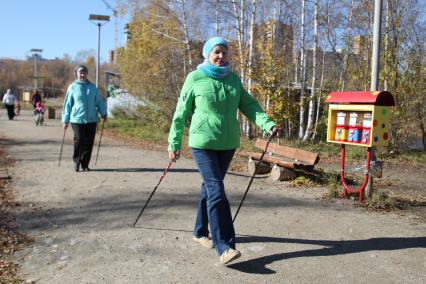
(214, 94)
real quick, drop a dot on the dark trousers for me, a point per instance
(213, 207)
(10, 111)
(84, 137)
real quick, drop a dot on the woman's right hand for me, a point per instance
(64, 125)
(275, 131)
(174, 156)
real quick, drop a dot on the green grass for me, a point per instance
(413, 157)
(247, 145)
(134, 129)
(151, 133)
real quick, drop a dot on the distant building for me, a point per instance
(282, 37)
(111, 57)
(332, 64)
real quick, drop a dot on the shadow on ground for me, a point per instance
(120, 209)
(328, 248)
(130, 170)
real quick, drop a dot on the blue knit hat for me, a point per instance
(211, 43)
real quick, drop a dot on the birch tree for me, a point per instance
(251, 45)
(347, 50)
(311, 112)
(385, 80)
(319, 100)
(302, 73)
(321, 84)
(239, 20)
(217, 9)
(185, 32)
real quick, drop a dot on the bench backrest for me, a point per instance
(306, 157)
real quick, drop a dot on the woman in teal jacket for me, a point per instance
(81, 106)
(214, 94)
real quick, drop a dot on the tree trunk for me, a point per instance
(423, 130)
(262, 167)
(245, 123)
(274, 23)
(280, 173)
(311, 112)
(385, 87)
(319, 96)
(240, 36)
(250, 60)
(217, 17)
(302, 74)
(251, 46)
(342, 77)
(185, 32)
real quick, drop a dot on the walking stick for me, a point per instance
(152, 193)
(62, 146)
(100, 139)
(252, 177)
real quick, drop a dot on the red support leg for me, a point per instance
(346, 188)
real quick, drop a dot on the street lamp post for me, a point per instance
(98, 20)
(375, 71)
(36, 52)
(375, 57)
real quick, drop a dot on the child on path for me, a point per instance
(39, 113)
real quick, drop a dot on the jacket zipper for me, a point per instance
(87, 103)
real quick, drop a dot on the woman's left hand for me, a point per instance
(174, 156)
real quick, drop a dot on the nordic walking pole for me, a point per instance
(100, 139)
(252, 177)
(62, 146)
(152, 193)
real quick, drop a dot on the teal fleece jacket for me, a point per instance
(214, 103)
(82, 103)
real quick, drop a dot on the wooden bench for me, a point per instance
(280, 161)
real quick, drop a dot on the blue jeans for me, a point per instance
(213, 207)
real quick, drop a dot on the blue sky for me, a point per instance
(57, 26)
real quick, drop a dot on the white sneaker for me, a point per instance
(204, 241)
(229, 255)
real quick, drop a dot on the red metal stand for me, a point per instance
(359, 190)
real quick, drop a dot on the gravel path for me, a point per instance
(80, 223)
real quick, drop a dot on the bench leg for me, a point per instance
(279, 173)
(263, 168)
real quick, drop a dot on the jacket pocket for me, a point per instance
(198, 124)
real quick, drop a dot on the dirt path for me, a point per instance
(80, 222)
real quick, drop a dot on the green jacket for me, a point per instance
(214, 103)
